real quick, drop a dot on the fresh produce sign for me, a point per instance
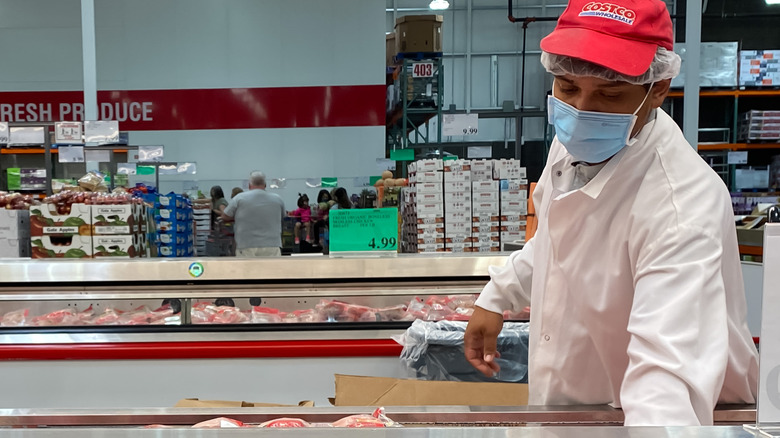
(364, 230)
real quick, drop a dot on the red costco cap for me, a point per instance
(622, 35)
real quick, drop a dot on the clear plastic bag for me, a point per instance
(17, 318)
(434, 351)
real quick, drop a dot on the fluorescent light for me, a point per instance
(772, 2)
(444, 4)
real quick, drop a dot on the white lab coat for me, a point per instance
(635, 286)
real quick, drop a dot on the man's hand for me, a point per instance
(480, 340)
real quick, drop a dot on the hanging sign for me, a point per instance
(67, 133)
(363, 231)
(97, 132)
(422, 70)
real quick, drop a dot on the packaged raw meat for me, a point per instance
(158, 426)
(438, 312)
(85, 316)
(334, 311)
(265, 315)
(394, 313)
(202, 313)
(62, 317)
(229, 315)
(417, 309)
(376, 419)
(462, 301)
(17, 318)
(308, 315)
(286, 422)
(218, 423)
(460, 314)
(108, 317)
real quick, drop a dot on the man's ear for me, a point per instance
(659, 92)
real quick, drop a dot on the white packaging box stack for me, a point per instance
(485, 216)
(201, 215)
(508, 169)
(482, 170)
(758, 125)
(514, 209)
(759, 68)
(14, 233)
(457, 206)
(423, 215)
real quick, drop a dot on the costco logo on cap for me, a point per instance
(608, 10)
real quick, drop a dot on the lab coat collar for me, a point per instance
(596, 185)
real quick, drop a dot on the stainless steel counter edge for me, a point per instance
(404, 266)
(411, 415)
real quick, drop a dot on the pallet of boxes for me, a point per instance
(173, 221)
(14, 225)
(201, 214)
(463, 206)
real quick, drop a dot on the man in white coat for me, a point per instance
(633, 276)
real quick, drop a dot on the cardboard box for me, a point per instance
(459, 228)
(164, 226)
(428, 165)
(485, 197)
(430, 239)
(481, 175)
(457, 176)
(14, 224)
(458, 206)
(482, 166)
(508, 169)
(457, 187)
(14, 248)
(515, 227)
(70, 246)
(115, 219)
(384, 391)
(453, 216)
(429, 177)
(458, 196)
(418, 33)
(485, 227)
(434, 207)
(457, 166)
(426, 220)
(513, 217)
(44, 220)
(512, 236)
(458, 247)
(451, 238)
(430, 198)
(484, 186)
(481, 218)
(196, 403)
(488, 207)
(518, 207)
(390, 48)
(512, 185)
(486, 237)
(436, 247)
(436, 187)
(483, 249)
(114, 246)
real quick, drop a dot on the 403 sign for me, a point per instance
(363, 230)
(422, 70)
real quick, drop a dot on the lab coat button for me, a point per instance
(558, 173)
(546, 337)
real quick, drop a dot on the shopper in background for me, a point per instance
(323, 205)
(633, 276)
(236, 191)
(342, 199)
(303, 216)
(258, 217)
(218, 201)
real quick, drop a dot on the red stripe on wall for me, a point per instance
(202, 350)
(214, 108)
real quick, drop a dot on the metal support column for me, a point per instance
(89, 59)
(691, 86)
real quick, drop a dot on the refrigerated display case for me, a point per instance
(312, 316)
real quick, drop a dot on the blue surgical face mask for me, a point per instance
(590, 136)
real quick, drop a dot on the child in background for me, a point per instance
(323, 205)
(303, 214)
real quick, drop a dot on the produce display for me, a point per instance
(16, 201)
(433, 308)
(375, 420)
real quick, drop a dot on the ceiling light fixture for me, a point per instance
(438, 5)
(772, 2)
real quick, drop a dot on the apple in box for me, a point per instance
(61, 220)
(114, 219)
(62, 246)
(114, 246)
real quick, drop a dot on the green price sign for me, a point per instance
(364, 230)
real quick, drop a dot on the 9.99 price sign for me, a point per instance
(363, 230)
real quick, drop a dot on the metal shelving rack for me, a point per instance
(416, 110)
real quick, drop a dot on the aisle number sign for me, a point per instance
(364, 230)
(422, 70)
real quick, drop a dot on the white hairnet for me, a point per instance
(665, 65)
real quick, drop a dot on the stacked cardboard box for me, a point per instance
(14, 233)
(422, 208)
(457, 206)
(201, 213)
(115, 230)
(514, 209)
(173, 220)
(757, 125)
(485, 216)
(759, 67)
(61, 234)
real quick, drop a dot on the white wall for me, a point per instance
(196, 44)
